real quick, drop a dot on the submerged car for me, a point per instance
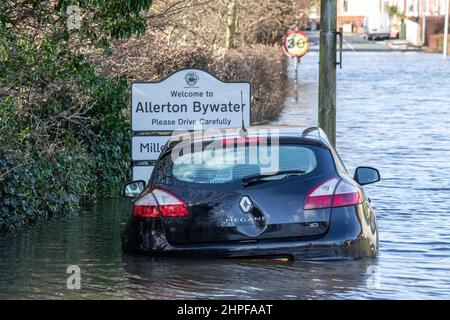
(305, 206)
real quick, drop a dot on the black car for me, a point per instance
(306, 206)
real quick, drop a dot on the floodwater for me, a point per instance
(393, 114)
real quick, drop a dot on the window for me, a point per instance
(223, 167)
(345, 5)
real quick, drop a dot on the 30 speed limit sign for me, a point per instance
(295, 44)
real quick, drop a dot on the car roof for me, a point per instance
(315, 134)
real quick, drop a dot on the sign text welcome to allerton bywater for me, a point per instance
(188, 99)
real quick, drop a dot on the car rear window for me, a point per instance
(227, 165)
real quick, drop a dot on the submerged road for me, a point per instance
(393, 114)
(356, 43)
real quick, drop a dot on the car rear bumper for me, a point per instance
(296, 250)
(352, 235)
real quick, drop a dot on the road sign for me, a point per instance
(188, 99)
(295, 44)
(142, 172)
(147, 147)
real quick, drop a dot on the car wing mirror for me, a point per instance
(134, 188)
(366, 175)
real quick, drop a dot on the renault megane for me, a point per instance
(252, 194)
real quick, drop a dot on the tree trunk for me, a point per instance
(231, 23)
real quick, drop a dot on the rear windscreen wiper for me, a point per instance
(248, 180)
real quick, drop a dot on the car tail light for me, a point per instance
(159, 203)
(170, 205)
(346, 194)
(146, 207)
(321, 196)
(333, 193)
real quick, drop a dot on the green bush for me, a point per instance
(70, 142)
(51, 177)
(110, 146)
(43, 187)
(65, 126)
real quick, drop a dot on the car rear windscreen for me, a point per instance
(229, 164)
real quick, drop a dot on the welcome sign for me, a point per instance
(189, 99)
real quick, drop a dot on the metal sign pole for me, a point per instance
(296, 45)
(297, 62)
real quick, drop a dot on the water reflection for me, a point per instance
(247, 279)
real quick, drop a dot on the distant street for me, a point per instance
(353, 42)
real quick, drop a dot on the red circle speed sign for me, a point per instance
(295, 44)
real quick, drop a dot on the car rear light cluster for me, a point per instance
(333, 193)
(160, 203)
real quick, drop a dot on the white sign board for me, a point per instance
(147, 147)
(142, 172)
(189, 99)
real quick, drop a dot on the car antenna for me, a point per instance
(243, 132)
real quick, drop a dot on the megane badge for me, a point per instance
(246, 204)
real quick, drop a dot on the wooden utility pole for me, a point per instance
(231, 22)
(447, 9)
(424, 20)
(327, 68)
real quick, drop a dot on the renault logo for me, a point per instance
(246, 204)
